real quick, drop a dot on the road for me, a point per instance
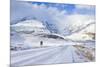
(46, 55)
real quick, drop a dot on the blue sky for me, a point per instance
(20, 9)
(70, 8)
(60, 6)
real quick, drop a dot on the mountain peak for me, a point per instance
(30, 23)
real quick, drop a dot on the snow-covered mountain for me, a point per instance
(35, 25)
(70, 26)
(77, 23)
(30, 32)
(88, 33)
(28, 22)
(30, 26)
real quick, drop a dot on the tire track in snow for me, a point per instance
(56, 58)
(53, 55)
(21, 60)
(24, 52)
(41, 58)
(48, 59)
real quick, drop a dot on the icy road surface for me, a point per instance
(47, 55)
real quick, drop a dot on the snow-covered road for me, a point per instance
(46, 55)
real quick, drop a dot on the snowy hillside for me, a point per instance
(88, 33)
(31, 31)
(29, 25)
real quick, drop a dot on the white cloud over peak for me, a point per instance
(63, 21)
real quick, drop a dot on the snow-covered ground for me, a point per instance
(50, 55)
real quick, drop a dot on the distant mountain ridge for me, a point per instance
(49, 26)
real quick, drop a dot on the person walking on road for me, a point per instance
(41, 43)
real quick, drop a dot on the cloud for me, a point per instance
(62, 21)
(85, 9)
(20, 9)
(84, 6)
